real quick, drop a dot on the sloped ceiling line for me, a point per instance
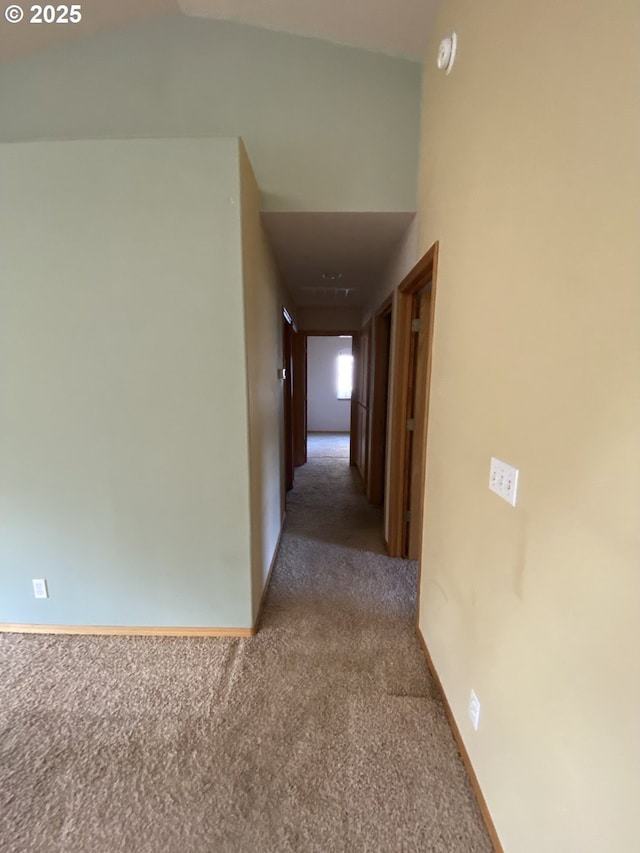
(396, 27)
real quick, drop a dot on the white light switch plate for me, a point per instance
(503, 480)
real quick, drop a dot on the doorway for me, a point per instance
(338, 384)
(360, 404)
(329, 383)
(410, 407)
(381, 354)
(312, 358)
(288, 334)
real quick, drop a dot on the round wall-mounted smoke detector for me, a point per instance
(447, 53)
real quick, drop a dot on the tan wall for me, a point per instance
(401, 262)
(264, 298)
(529, 180)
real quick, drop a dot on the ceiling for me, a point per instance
(357, 246)
(398, 27)
(20, 39)
(334, 258)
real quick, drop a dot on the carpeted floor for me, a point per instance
(325, 444)
(324, 733)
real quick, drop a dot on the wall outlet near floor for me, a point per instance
(40, 589)
(474, 710)
(503, 480)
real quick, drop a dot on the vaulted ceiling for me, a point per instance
(325, 258)
(398, 27)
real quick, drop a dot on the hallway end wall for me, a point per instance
(325, 412)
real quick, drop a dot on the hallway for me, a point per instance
(384, 754)
(327, 503)
(323, 733)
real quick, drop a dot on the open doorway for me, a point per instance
(288, 334)
(410, 407)
(326, 366)
(380, 361)
(329, 392)
(329, 492)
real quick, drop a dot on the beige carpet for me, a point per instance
(323, 733)
(335, 444)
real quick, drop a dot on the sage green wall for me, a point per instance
(123, 411)
(328, 127)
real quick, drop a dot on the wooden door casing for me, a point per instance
(407, 486)
(299, 361)
(379, 401)
(360, 401)
(416, 478)
(287, 388)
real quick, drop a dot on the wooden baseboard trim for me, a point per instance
(151, 631)
(124, 630)
(486, 816)
(265, 588)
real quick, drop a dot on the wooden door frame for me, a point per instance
(379, 403)
(425, 271)
(360, 402)
(355, 338)
(299, 402)
(288, 330)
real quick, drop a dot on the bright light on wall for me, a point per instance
(344, 374)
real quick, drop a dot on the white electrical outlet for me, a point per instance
(40, 589)
(474, 710)
(503, 480)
